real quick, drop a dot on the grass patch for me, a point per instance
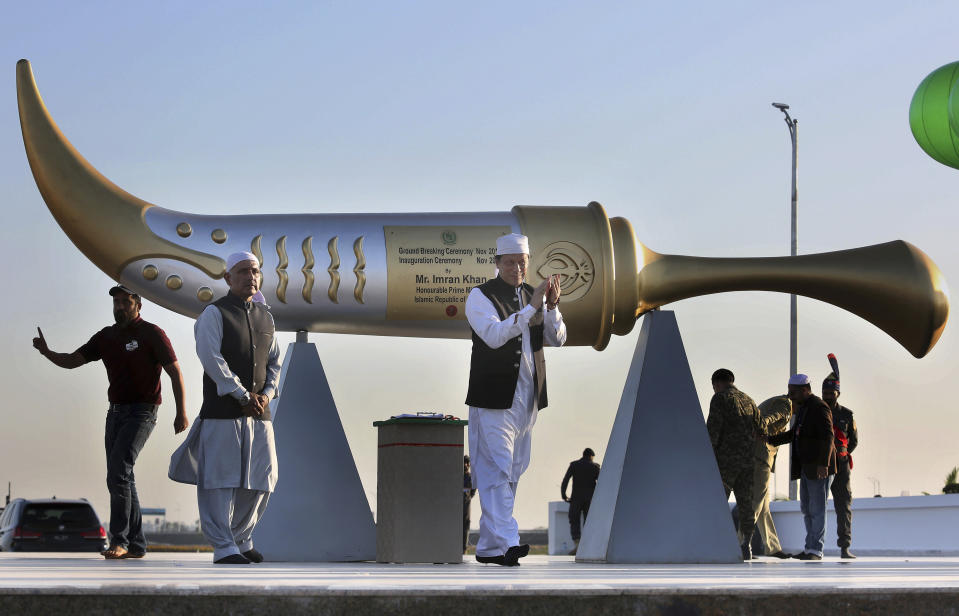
(166, 547)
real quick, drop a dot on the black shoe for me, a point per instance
(516, 552)
(747, 551)
(253, 556)
(780, 554)
(232, 559)
(497, 560)
(807, 556)
(846, 553)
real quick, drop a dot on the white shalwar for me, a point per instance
(499, 439)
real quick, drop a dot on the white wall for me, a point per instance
(881, 526)
(891, 525)
(560, 541)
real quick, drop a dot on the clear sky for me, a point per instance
(660, 111)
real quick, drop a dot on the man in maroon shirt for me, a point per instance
(133, 351)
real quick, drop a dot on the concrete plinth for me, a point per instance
(659, 498)
(319, 511)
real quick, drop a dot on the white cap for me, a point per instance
(240, 257)
(799, 379)
(512, 244)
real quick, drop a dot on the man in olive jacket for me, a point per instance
(812, 460)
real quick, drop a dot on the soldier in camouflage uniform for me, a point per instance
(733, 425)
(847, 437)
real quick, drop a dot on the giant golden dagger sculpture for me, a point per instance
(408, 274)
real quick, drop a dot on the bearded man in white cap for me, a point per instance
(812, 460)
(230, 453)
(510, 322)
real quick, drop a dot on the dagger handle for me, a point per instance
(894, 286)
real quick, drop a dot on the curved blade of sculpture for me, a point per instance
(408, 274)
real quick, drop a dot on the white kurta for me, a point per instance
(499, 439)
(227, 453)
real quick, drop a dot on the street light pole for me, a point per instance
(793, 126)
(793, 129)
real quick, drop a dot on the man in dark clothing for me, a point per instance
(584, 473)
(733, 425)
(468, 493)
(133, 351)
(812, 460)
(846, 439)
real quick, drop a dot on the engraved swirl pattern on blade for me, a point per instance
(256, 250)
(308, 269)
(333, 269)
(284, 278)
(358, 270)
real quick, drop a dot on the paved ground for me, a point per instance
(181, 583)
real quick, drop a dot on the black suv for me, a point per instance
(51, 525)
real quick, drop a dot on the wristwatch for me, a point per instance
(246, 399)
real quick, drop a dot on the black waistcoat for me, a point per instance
(494, 372)
(247, 336)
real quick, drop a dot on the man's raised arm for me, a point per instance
(64, 360)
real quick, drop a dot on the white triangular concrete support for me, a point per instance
(659, 498)
(319, 511)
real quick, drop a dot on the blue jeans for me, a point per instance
(127, 429)
(812, 502)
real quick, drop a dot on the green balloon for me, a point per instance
(930, 115)
(954, 107)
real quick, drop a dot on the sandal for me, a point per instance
(115, 552)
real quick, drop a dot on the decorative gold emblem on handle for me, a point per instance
(574, 267)
(333, 270)
(308, 270)
(358, 270)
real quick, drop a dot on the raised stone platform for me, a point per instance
(189, 583)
